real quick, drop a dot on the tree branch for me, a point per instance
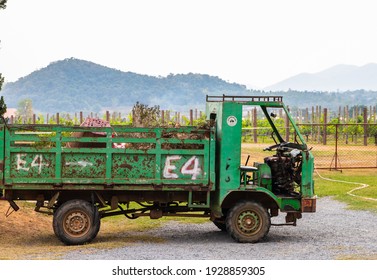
(3, 4)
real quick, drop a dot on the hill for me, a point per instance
(338, 78)
(73, 85)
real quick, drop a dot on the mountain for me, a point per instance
(73, 85)
(338, 78)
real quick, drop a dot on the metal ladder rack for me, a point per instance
(240, 98)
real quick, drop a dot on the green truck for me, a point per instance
(83, 174)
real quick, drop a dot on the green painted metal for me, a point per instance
(228, 113)
(186, 159)
(42, 155)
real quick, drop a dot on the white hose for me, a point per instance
(361, 186)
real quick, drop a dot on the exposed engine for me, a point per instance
(286, 168)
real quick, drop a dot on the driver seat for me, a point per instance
(245, 179)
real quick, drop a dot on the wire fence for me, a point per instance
(334, 146)
(342, 146)
(164, 117)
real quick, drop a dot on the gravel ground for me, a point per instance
(331, 233)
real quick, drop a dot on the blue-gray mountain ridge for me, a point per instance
(73, 85)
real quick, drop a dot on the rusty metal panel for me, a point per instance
(44, 154)
(179, 166)
(32, 165)
(133, 166)
(79, 165)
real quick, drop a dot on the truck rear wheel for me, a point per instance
(248, 222)
(76, 222)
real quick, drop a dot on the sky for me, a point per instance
(255, 43)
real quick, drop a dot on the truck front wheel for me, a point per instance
(248, 222)
(76, 222)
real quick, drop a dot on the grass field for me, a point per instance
(349, 156)
(365, 199)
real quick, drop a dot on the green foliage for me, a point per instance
(3, 110)
(3, 106)
(40, 119)
(144, 116)
(3, 4)
(185, 121)
(1, 81)
(201, 121)
(25, 109)
(372, 129)
(116, 119)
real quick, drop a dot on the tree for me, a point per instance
(25, 109)
(2, 6)
(144, 116)
(3, 110)
(1, 81)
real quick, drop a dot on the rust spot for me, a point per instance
(136, 158)
(126, 165)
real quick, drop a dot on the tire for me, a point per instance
(220, 223)
(76, 222)
(248, 222)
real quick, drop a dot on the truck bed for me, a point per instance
(124, 158)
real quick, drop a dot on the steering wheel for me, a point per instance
(284, 145)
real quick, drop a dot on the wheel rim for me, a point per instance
(248, 222)
(76, 223)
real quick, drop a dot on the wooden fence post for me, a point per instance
(162, 117)
(324, 126)
(255, 125)
(365, 113)
(318, 120)
(167, 116)
(287, 126)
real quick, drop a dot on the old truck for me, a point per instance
(159, 171)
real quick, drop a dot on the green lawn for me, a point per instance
(339, 190)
